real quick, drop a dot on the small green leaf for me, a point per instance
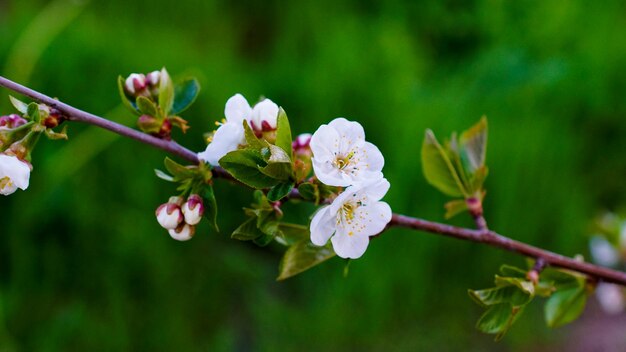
(252, 140)
(243, 165)
(247, 231)
(309, 191)
(455, 207)
(283, 133)
(438, 168)
(302, 256)
(210, 206)
(146, 106)
(522, 284)
(497, 295)
(292, 233)
(279, 191)
(177, 170)
(185, 93)
(264, 240)
(33, 112)
(125, 100)
(512, 271)
(162, 175)
(565, 305)
(166, 93)
(498, 319)
(19, 105)
(473, 146)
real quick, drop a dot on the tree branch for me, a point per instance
(482, 235)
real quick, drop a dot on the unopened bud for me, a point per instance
(184, 232)
(135, 84)
(301, 145)
(169, 215)
(193, 209)
(11, 121)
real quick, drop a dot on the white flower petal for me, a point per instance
(376, 189)
(611, 298)
(237, 109)
(14, 174)
(351, 247)
(350, 129)
(264, 111)
(375, 158)
(603, 252)
(322, 226)
(227, 138)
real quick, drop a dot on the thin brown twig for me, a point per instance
(482, 235)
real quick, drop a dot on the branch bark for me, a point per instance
(482, 235)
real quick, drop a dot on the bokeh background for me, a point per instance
(84, 265)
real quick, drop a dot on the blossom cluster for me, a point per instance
(180, 217)
(342, 158)
(14, 171)
(230, 134)
(138, 84)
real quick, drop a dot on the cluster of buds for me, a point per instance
(11, 121)
(302, 152)
(138, 84)
(180, 217)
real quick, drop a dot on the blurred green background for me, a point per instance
(84, 265)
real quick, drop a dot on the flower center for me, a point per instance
(341, 161)
(5, 182)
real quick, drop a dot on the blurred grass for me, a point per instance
(84, 266)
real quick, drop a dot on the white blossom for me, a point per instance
(230, 134)
(183, 233)
(193, 209)
(14, 174)
(169, 214)
(611, 298)
(603, 252)
(342, 157)
(354, 216)
(135, 83)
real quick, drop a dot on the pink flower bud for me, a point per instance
(302, 143)
(193, 209)
(184, 232)
(169, 215)
(153, 78)
(135, 84)
(11, 121)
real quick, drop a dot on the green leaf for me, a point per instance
(19, 105)
(33, 112)
(292, 233)
(146, 106)
(455, 207)
(251, 138)
(498, 295)
(565, 305)
(243, 165)
(264, 240)
(177, 170)
(309, 191)
(162, 175)
(512, 271)
(283, 133)
(302, 256)
(473, 146)
(125, 100)
(522, 284)
(185, 93)
(438, 169)
(166, 93)
(210, 206)
(498, 319)
(279, 191)
(247, 231)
